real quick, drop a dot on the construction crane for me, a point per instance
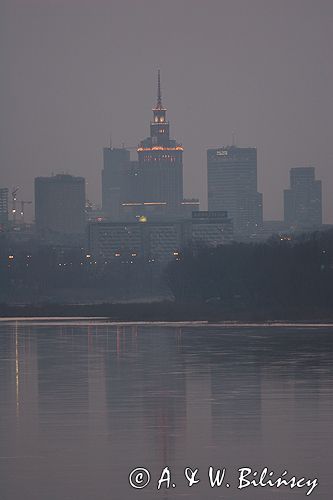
(89, 204)
(14, 199)
(23, 204)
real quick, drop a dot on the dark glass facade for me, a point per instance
(303, 201)
(232, 186)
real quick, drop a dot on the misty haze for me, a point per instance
(166, 249)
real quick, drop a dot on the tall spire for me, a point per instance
(159, 93)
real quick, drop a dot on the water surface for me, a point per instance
(82, 404)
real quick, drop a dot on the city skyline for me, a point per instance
(156, 178)
(93, 82)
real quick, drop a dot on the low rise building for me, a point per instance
(157, 241)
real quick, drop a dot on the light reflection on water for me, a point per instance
(81, 405)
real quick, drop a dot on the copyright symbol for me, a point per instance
(139, 478)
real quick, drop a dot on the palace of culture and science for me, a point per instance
(153, 184)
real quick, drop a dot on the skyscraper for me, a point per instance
(303, 201)
(160, 158)
(60, 204)
(232, 186)
(3, 206)
(151, 185)
(115, 180)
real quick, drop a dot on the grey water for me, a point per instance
(82, 404)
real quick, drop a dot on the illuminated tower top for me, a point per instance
(159, 127)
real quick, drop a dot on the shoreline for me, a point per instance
(100, 321)
(166, 312)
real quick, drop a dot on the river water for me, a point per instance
(83, 403)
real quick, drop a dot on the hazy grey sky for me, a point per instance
(76, 71)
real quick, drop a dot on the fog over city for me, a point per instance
(166, 249)
(255, 72)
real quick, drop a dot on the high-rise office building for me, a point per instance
(3, 206)
(60, 204)
(160, 158)
(232, 186)
(116, 180)
(303, 201)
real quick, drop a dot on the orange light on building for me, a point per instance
(154, 202)
(161, 148)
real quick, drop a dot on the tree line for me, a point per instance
(280, 272)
